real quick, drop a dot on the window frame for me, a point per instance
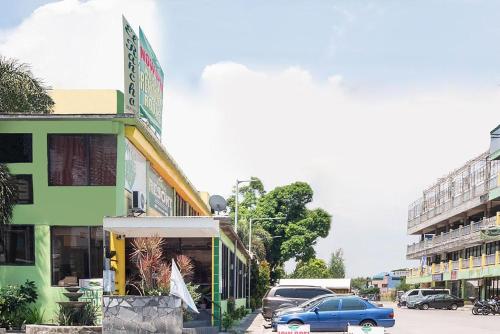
(30, 160)
(33, 263)
(89, 243)
(87, 147)
(31, 192)
(361, 303)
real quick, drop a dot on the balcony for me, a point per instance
(450, 241)
(461, 269)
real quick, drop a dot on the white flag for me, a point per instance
(179, 289)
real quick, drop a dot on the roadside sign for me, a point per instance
(294, 329)
(364, 330)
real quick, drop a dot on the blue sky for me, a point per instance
(372, 44)
(368, 101)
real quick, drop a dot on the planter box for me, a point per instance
(142, 314)
(53, 329)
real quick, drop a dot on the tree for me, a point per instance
(293, 237)
(314, 268)
(336, 265)
(359, 283)
(403, 286)
(8, 194)
(20, 92)
(260, 285)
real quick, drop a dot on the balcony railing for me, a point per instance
(467, 264)
(450, 240)
(474, 193)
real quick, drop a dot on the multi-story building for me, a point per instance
(457, 221)
(83, 163)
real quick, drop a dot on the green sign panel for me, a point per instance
(160, 194)
(151, 85)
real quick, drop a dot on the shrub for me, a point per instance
(14, 304)
(85, 316)
(227, 321)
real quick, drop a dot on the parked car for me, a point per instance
(308, 303)
(444, 301)
(413, 296)
(288, 296)
(336, 313)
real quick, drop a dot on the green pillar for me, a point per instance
(216, 311)
(462, 289)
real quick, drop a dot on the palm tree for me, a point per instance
(8, 191)
(20, 92)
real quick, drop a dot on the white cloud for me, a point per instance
(78, 44)
(366, 157)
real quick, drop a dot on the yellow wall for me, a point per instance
(85, 101)
(168, 171)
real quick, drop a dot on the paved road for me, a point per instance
(417, 322)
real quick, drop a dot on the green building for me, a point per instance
(85, 162)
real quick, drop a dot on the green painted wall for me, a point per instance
(229, 244)
(59, 205)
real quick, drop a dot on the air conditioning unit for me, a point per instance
(138, 202)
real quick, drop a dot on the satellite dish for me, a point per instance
(217, 203)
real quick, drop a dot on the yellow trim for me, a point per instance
(497, 258)
(118, 263)
(450, 266)
(471, 262)
(498, 213)
(483, 260)
(460, 263)
(167, 170)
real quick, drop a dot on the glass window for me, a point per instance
(16, 147)
(413, 293)
(17, 245)
(24, 183)
(289, 293)
(349, 304)
(82, 160)
(329, 305)
(76, 253)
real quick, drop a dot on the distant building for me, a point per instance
(386, 282)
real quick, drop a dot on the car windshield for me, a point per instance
(311, 302)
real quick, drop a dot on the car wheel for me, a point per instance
(368, 323)
(424, 307)
(295, 322)
(453, 307)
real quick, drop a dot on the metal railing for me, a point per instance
(490, 259)
(452, 239)
(476, 261)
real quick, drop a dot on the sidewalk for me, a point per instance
(252, 323)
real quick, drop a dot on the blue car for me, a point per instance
(336, 313)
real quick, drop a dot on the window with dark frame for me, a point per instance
(224, 287)
(16, 147)
(17, 245)
(76, 252)
(82, 160)
(24, 183)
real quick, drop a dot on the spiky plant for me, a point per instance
(8, 195)
(20, 91)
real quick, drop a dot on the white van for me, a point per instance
(415, 295)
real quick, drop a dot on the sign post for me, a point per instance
(131, 69)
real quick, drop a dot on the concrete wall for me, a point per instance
(142, 314)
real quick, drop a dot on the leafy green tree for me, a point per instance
(313, 268)
(337, 265)
(293, 237)
(359, 283)
(403, 286)
(260, 285)
(8, 195)
(20, 92)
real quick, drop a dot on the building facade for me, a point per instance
(83, 163)
(386, 282)
(457, 221)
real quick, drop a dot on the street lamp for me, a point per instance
(235, 289)
(250, 248)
